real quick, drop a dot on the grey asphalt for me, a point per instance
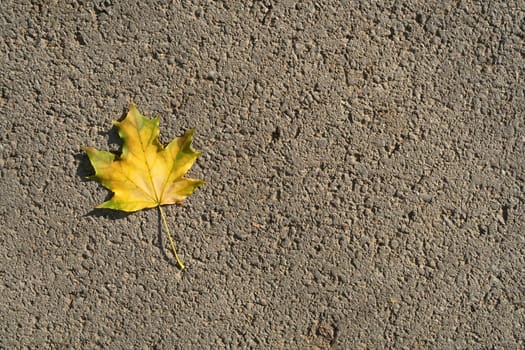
(364, 163)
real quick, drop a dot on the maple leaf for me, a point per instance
(145, 175)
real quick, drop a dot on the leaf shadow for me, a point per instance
(113, 136)
(107, 213)
(114, 141)
(85, 169)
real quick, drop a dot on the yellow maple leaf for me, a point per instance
(146, 175)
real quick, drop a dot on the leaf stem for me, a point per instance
(163, 216)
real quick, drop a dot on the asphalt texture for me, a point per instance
(364, 163)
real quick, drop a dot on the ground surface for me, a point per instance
(364, 163)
